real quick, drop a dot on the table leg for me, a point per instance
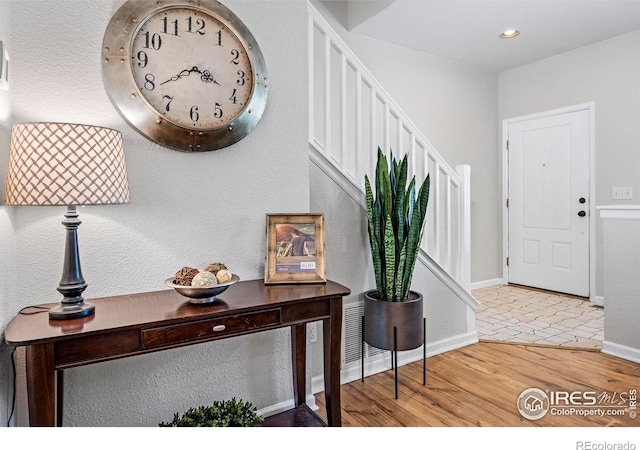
(299, 362)
(41, 385)
(59, 397)
(331, 338)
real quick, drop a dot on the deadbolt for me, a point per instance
(582, 200)
(582, 213)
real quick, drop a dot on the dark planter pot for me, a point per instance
(380, 317)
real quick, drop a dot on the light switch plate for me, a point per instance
(622, 193)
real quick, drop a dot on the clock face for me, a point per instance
(187, 76)
(191, 68)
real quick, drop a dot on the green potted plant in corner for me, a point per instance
(395, 216)
(227, 413)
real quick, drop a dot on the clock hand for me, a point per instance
(205, 75)
(184, 73)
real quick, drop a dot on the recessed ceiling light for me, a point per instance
(507, 34)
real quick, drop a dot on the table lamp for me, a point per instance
(52, 164)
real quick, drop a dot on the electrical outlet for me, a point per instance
(312, 332)
(622, 193)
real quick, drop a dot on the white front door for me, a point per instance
(548, 202)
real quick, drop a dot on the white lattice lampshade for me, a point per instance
(66, 164)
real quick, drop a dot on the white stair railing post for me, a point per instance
(464, 223)
(434, 203)
(327, 96)
(448, 260)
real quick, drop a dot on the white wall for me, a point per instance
(456, 108)
(186, 209)
(607, 73)
(621, 235)
(7, 239)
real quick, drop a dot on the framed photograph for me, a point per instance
(294, 249)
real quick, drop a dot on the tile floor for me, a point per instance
(517, 314)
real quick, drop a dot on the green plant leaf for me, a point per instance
(374, 239)
(390, 257)
(383, 184)
(399, 291)
(415, 234)
(398, 207)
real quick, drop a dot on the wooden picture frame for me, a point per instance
(294, 249)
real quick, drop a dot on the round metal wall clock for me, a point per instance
(188, 75)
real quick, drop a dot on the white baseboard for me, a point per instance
(598, 300)
(310, 400)
(383, 362)
(486, 283)
(621, 351)
(275, 409)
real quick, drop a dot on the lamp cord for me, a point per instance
(13, 400)
(40, 309)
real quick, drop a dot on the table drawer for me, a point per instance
(208, 329)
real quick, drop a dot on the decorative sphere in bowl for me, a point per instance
(201, 294)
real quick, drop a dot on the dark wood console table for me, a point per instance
(130, 325)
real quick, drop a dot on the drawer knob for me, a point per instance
(219, 327)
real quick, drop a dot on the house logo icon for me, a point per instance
(533, 403)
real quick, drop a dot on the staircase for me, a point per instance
(350, 116)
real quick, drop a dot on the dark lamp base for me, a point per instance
(71, 311)
(72, 283)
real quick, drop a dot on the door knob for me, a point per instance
(582, 213)
(582, 200)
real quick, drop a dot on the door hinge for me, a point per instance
(507, 203)
(507, 144)
(507, 260)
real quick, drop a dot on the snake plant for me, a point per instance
(395, 217)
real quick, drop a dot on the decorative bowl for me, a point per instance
(201, 294)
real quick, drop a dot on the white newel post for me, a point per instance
(464, 172)
(621, 228)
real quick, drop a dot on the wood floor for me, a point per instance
(479, 385)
